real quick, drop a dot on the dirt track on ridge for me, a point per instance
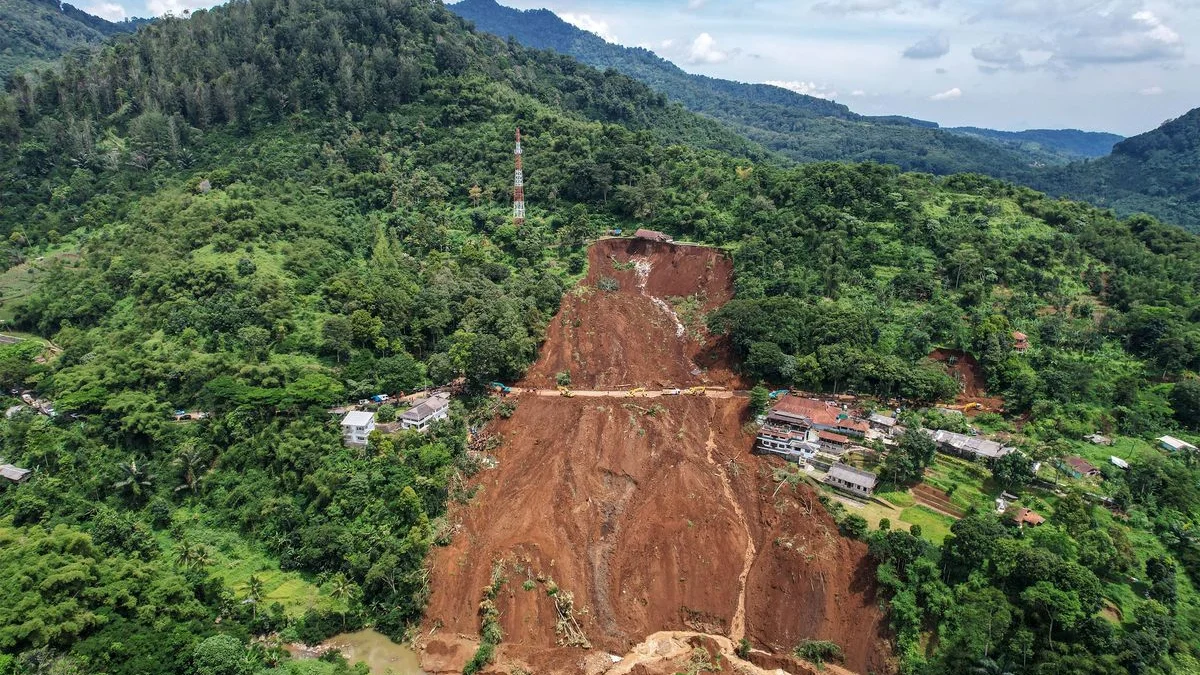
(653, 514)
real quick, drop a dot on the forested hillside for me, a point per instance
(275, 207)
(804, 128)
(33, 31)
(1062, 143)
(1157, 172)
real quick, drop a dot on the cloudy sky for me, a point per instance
(1107, 65)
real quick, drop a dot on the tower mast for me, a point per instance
(518, 186)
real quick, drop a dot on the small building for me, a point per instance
(793, 446)
(1027, 516)
(970, 447)
(1118, 462)
(883, 423)
(1020, 341)
(834, 444)
(1080, 467)
(1097, 439)
(652, 235)
(1174, 444)
(850, 479)
(802, 414)
(14, 474)
(425, 413)
(357, 425)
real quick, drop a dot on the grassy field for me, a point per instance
(934, 526)
(17, 282)
(969, 484)
(235, 560)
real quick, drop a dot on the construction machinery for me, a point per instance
(694, 391)
(563, 391)
(778, 393)
(638, 391)
(966, 407)
(501, 388)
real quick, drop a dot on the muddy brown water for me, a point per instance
(380, 654)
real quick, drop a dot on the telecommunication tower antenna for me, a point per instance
(518, 186)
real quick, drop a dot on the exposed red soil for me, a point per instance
(628, 337)
(652, 513)
(964, 368)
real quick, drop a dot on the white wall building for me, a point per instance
(356, 426)
(425, 413)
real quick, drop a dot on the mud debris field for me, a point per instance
(629, 533)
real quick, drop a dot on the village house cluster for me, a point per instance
(820, 434)
(357, 425)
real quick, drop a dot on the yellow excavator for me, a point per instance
(639, 391)
(694, 391)
(563, 391)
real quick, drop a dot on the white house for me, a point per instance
(425, 413)
(356, 426)
(1174, 444)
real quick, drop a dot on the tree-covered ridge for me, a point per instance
(261, 239)
(802, 127)
(38, 31)
(1154, 173)
(1069, 143)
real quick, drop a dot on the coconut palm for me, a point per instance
(987, 666)
(254, 593)
(341, 588)
(134, 482)
(190, 460)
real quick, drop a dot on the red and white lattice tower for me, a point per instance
(518, 187)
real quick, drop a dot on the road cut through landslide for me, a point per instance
(610, 519)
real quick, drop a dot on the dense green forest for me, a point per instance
(271, 208)
(804, 128)
(1152, 173)
(39, 31)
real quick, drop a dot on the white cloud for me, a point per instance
(693, 5)
(1151, 91)
(590, 24)
(858, 92)
(704, 50)
(806, 88)
(666, 44)
(106, 10)
(929, 47)
(873, 6)
(948, 95)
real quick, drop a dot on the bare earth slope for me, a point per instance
(633, 336)
(650, 513)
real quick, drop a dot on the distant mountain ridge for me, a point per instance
(805, 128)
(1157, 172)
(35, 31)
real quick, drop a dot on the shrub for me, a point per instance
(818, 651)
(608, 284)
(563, 378)
(386, 413)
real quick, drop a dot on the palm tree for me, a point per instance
(254, 593)
(190, 461)
(987, 666)
(134, 480)
(341, 588)
(191, 556)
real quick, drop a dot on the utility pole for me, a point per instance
(518, 186)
